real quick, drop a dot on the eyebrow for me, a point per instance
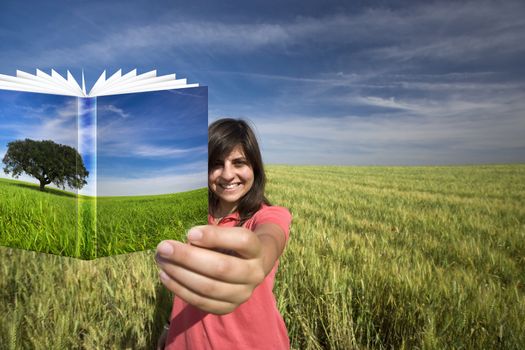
(240, 158)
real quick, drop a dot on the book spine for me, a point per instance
(87, 202)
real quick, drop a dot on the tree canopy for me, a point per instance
(47, 161)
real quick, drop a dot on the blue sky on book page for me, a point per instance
(25, 115)
(325, 82)
(37, 117)
(87, 142)
(152, 142)
(141, 144)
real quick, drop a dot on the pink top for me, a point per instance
(255, 324)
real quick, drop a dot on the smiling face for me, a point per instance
(230, 179)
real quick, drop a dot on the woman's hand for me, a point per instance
(216, 282)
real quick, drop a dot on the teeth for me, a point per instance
(229, 186)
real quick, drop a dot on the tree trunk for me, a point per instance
(42, 185)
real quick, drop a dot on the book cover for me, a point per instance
(112, 171)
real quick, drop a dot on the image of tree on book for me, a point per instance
(112, 171)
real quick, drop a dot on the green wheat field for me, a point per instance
(378, 258)
(63, 223)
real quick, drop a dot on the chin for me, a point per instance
(231, 200)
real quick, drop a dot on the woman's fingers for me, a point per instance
(209, 263)
(201, 302)
(242, 241)
(207, 287)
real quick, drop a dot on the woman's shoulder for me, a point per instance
(272, 214)
(266, 209)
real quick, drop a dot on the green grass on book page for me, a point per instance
(63, 223)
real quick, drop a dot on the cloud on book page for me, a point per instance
(160, 184)
(61, 110)
(55, 122)
(126, 148)
(114, 109)
(156, 151)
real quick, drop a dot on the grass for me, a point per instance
(378, 258)
(404, 257)
(54, 302)
(63, 223)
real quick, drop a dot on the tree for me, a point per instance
(47, 161)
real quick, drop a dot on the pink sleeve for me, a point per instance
(275, 215)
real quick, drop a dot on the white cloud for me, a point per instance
(435, 108)
(405, 61)
(386, 30)
(388, 103)
(454, 132)
(159, 38)
(450, 30)
(472, 30)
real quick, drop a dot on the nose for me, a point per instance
(227, 172)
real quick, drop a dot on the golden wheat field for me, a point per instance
(378, 258)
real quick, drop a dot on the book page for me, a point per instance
(152, 166)
(39, 207)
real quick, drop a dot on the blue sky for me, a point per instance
(325, 82)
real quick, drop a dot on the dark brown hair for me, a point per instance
(223, 136)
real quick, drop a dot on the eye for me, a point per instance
(216, 164)
(240, 162)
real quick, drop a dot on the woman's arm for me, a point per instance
(217, 282)
(273, 241)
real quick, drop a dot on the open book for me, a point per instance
(109, 171)
(54, 83)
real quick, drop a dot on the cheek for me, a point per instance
(247, 175)
(212, 177)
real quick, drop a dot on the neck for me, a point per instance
(224, 209)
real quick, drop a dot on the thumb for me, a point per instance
(243, 241)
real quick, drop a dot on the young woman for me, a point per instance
(223, 279)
